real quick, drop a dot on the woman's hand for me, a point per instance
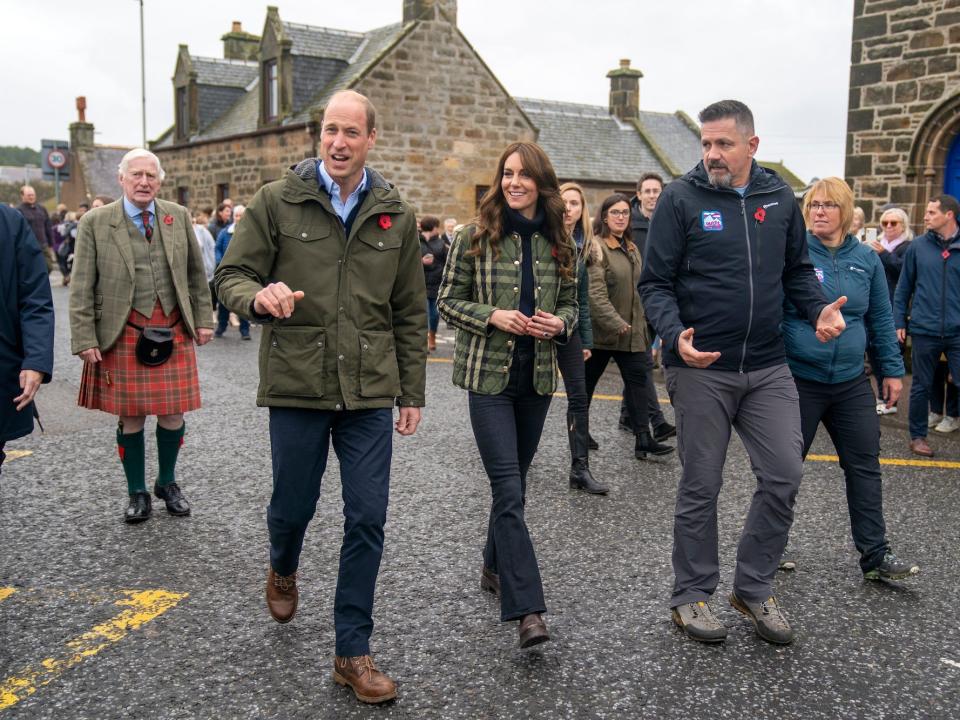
(545, 326)
(586, 354)
(511, 321)
(624, 330)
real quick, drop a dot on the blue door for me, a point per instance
(951, 175)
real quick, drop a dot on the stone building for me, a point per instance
(93, 168)
(443, 117)
(903, 119)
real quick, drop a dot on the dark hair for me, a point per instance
(429, 222)
(221, 207)
(600, 227)
(948, 203)
(85, 206)
(493, 206)
(649, 176)
(729, 109)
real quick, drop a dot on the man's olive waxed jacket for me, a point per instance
(358, 338)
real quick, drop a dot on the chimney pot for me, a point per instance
(625, 62)
(81, 108)
(237, 26)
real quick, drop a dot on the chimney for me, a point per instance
(240, 45)
(625, 92)
(81, 132)
(428, 10)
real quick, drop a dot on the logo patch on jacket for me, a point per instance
(711, 220)
(819, 273)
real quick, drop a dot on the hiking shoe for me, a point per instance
(882, 409)
(767, 618)
(697, 620)
(933, 419)
(947, 425)
(892, 568)
(787, 561)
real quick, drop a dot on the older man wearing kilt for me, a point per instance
(138, 301)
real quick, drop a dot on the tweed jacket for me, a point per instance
(101, 285)
(474, 286)
(614, 300)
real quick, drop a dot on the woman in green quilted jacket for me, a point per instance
(509, 290)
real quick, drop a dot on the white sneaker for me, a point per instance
(948, 425)
(882, 409)
(933, 419)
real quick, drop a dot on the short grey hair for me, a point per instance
(140, 153)
(900, 215)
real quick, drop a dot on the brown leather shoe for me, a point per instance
(369, 684)
(489, 581)
(431, 342)
(919, 446)
(533, 630)
(282, 596)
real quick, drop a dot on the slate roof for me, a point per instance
(673, 135)
(795, 183)
(322, 42)
(99, 165)
(224, 73)
(585, 142)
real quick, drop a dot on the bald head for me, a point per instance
(352, 97)
(28, 195)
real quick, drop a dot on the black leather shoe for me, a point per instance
(490, 581)
(139, 508)
(172, 497)
(663, 431)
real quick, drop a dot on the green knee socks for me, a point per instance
(130, 449)
(168, 448)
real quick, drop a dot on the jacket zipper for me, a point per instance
(836, 346)
(943, 295)
(746, 227)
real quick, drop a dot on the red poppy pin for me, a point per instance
(760, 215)
(553, 251)
(168, 219)
(385, 222)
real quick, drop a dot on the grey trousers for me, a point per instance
(763, 408)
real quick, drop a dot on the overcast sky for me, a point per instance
(788, 59)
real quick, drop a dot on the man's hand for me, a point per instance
(427, 259)
(691, 356)
(831, 323)
(91, 355)
(892, 387)
(544, 325)
(586, 354)
(276, 299)
(204, 335)
(901, 335)
(408, 420)
(29, 382)
(511, 321)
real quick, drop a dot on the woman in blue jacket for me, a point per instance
(833, 388)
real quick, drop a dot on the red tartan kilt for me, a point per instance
(121, 385)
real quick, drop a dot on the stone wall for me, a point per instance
(903, 108)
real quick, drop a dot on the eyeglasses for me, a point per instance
(618, 213)
(826, 206)
(890, 223)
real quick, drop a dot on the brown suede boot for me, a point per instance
(369, 684)
(431, 341)
(282, 596)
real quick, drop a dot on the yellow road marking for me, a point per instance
(143, 606)
(904, 462)
(6, 592)
(14, 454)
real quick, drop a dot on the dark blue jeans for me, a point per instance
(848, 411)
(943, 394)
(926, 355)
(363, 442)
(507, 429)
(223, 319)
(433, 314)
(572, 370)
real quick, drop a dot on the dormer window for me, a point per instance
(271, 90)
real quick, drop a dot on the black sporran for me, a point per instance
(154, 346)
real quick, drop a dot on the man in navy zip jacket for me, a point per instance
(726, 242)
(931, 278)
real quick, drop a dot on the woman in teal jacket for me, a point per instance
(830, 378)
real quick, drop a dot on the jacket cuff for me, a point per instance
(408, 401)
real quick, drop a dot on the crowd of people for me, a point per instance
(762, 311)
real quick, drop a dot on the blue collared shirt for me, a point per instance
(342, 209)
(133, 212)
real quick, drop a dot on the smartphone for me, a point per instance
(870, 235)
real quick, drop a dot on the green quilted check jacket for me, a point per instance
(473, 287)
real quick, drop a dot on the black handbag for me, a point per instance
(154, 346)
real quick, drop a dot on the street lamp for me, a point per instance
(143, 79)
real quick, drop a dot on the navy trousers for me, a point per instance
(363, 442)
(926, 355)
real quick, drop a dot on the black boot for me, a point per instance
(591, 443)
(625, 422)
(663, 430)
(580, 475)
(646, 444)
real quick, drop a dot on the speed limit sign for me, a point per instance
(56, 159)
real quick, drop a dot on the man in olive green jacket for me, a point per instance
(329, 259)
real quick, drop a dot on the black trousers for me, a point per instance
(653, 402)
(573, 372)
(849, 413)
(633, 369)
(507, 428)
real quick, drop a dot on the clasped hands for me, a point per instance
(542, 325)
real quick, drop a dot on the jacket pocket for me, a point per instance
(304, 233)
(294, 363)
(379, 373)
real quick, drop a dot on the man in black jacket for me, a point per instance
(39, 221)
(727, 241)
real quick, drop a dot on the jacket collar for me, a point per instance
(301, 185)
(849, 244)
(614, 244)
(761, 180)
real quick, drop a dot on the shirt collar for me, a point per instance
(331, 186)
(133, 211)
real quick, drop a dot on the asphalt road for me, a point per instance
(167, 619)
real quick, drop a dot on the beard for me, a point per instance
(720, 176)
